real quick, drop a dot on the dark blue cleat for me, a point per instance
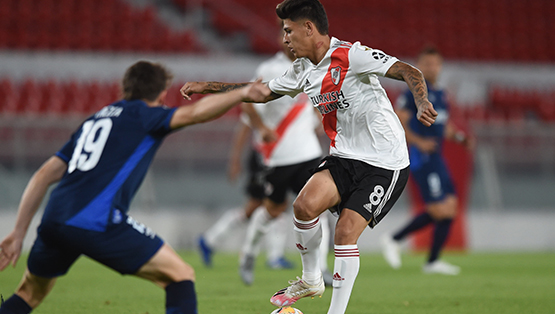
(205, 252)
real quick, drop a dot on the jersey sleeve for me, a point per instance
(66, 151)
(366, 61)
(289, 83)
(156, 120)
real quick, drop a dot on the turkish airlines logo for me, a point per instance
(335, 75)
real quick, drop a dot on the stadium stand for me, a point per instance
(103, 25)
(514, 104)
(472, 30)
(33, 98)
(488, 30)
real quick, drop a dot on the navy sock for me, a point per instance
(15, 305)
(181, 298)
(417, 223)
(440, 236)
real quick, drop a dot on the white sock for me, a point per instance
(309, 236)
(276, 238)
(345, 271)
(325, 244)
(258, 226)
(230, 218)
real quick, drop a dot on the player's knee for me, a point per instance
(174, 274)
(185, 273)
(275, 209)
(303, 209)
(445, 210)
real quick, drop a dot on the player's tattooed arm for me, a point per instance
(417, 85)
(215, 87)
(207, 88)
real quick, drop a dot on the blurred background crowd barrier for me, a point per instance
(61, 60)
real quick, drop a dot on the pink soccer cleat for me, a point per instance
(298, 289)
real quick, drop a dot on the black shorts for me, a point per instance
(370, 191)
(255, 181)
(280, 180)
(124, 247)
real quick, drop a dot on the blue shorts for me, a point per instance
(124, 247)
(433, 179)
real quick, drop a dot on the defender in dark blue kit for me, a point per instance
(428, 168)
(99, 170)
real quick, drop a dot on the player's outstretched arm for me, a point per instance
(213, 106)
(417, 85)
(50, 172)
(191, 88)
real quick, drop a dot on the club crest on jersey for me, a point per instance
(335, 75)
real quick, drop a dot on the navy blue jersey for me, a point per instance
(108, 157)
(437, 130)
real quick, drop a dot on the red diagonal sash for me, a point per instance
(339, 59)
(266, 149)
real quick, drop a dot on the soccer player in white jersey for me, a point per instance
(368, 164)
(286, 139)
(286, 149)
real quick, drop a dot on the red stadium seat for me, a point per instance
(10, 97)
(488, 30)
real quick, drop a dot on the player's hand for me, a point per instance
(268, 135)
(10, 250)
(426, 113)
(193, 88)
(256, 92)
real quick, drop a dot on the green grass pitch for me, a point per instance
(489, 283)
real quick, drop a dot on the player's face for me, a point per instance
(295, 38)
(430, 66)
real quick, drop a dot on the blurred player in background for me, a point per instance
(369, 164)
(285, 137)
(428, 168)
(237, 218)
(99, 170)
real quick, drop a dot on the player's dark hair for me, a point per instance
(429, 50)
(311, 10)
(145, 80)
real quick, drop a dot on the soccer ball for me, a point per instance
(287, 310)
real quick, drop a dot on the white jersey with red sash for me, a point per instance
(293, 119)
(357, 114)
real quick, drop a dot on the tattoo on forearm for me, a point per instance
(224, 87)
(412, 76)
